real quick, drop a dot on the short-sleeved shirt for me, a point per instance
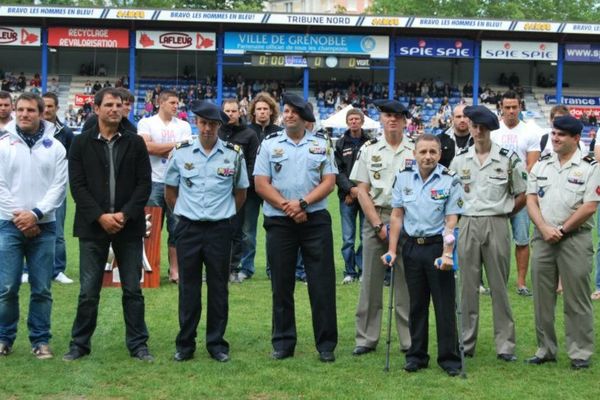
(561, 190)
(377, 165)
(521, 139)
(206, 182)
(489, 188)
(295, 169)
(176, 130)
(427, 203)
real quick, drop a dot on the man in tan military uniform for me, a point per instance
(494, 182)
(376, 166)
(562, 195)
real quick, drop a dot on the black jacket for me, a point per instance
(345, 153)
(246, 139)
(89, 180)
(448, 149)
(63, 134)
(261, 133)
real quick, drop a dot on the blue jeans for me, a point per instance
(520, 227)
(598, 251)
(60, 251)
(251, 210)
(39, 254)
(157, 199)
(352, 258)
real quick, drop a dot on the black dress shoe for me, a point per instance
(326, 356)
(282, 354)
(182, 356)
(360, 350)
(74, 354)
(535, 360)
(413, 366)
(580, 364)
(506, 357)
(453, 371)
(143, 355)
(220, 356)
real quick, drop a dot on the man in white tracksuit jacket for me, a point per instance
(33, 177)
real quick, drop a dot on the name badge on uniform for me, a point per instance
(376, 165)
(575, 180)
(317, 150)
(541, 192)
(47, 143)
(439, 194)
(224, 171)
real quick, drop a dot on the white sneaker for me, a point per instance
(241, 276)
(347, 280)
(233, 278)
(62, 278)
(25, 278)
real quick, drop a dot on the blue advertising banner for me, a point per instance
(574, 100)
(582, 52)
(432, 47)
(261, 42)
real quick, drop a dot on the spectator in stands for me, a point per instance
(71, 116)
(106, 84)
(156, 92)
(97, 86)
(35, 82)
(592, 119)
(5, 87)
(87, 87)
(468, 90)
(53, 86)
(428, 101)
(102, 70)
(21, 82)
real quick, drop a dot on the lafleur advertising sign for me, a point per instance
(509, 50)
(88, 37)
(431, 47)
(171, 40)
(19, 36)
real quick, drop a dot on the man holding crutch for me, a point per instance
(426, 202)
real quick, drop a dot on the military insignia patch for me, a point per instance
(376, 158)
(408, 163)
(598, 190)
(541, 192)
(224, 171)
(524, 175)
(317, 150)
(407, 191)
(439, 194)
(460, 203)
(277, 167)
(277, 153)
(466, 188)
(376, 175)
(188, 166)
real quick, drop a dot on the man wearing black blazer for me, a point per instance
(110, 178)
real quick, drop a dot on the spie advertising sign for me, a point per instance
(170, 40)
(509, 50)
(19, 36)
(431, 47)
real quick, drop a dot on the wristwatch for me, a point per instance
(303, 204)
(561, 230)
(377, 228)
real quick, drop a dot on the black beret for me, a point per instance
(392, 107)
(209, 111)
(482, 115)
(303, 108)
(569, 124)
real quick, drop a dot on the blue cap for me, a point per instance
(568, 124)
(303, 108)
(482, 115)
(392, 107)
(209, 111)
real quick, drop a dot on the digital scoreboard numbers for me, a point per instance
(312, 62)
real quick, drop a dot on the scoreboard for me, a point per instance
(313, 62)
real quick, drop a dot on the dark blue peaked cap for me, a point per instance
(303, 108)
(209, 111)
(482, 115)
(391, 106)
(569, 124)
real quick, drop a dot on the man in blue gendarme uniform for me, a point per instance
(427, 200)
(206, 183)
(294, 173)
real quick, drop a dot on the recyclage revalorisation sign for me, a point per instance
(431, 47)
(582, 52)
(260, 42)
(509, 50)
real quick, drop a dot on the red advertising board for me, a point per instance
(88, 37)
(81, 99)
(577, 112)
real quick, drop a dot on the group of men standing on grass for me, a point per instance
(212, 187)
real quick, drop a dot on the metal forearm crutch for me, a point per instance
(389, 325)
(457, 301)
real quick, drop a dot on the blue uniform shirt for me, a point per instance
(206, 182)
(295, 169)
(426, 204)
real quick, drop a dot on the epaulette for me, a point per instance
(272, 135)
(504, 152)
(406, 169)
(322, 135)
(183, 144)
(371, 141)
(448, 172)
(590, 160)
(545, 157)
(233, 147)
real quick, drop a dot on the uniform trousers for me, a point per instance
(370, 304)
(203, 243)
(485, 240)
(315, 240)
(571, 259)
(425, 281)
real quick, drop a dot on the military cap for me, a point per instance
(392, 107)
(568, 124)
(482, 115)
(303, 108)
(209, 111)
